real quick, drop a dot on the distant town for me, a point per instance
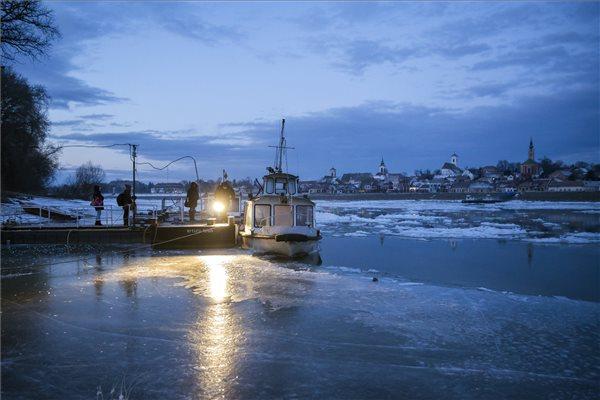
(504, 177)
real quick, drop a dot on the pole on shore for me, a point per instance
(133, 156)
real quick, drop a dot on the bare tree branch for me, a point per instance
(27, 29)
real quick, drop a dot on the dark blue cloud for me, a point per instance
(69, 122)
(355, 56)
(500, 35)
(192, 27)
(493, 89)
(97, 116)
(536, 57)
(63, 89)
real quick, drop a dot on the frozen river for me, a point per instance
(453, 315)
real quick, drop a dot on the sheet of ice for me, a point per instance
(551, 222)
(235, 326)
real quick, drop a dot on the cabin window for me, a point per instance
(269, 186)
(262, 215)
(292, 187)
(281, 186)
(284, 216)
(304, 215)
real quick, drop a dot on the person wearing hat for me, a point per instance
(124, 200)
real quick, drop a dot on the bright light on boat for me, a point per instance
(218, 206)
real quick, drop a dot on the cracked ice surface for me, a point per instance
(538, 221)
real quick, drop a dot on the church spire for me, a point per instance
(531, 153)
(382, 167)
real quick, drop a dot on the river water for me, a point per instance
(484, 303)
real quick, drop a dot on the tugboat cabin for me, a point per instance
(277, 205)
(280, 183)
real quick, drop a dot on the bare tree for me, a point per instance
(27, 29)
(89, 174)
(86, 177)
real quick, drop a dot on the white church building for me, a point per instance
(450, 169)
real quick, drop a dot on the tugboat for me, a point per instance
(277, 220)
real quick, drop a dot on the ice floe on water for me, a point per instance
(575, 238)
(457, 205)
(544, 222)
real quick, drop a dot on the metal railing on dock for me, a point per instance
(60, 215)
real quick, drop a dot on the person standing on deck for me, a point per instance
(124, 200)
(225, 195)
(191, 200)
(98, 204)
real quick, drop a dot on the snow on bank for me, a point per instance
(11, 212)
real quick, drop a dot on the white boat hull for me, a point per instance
(285, 248)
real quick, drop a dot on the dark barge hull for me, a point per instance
(160, 237)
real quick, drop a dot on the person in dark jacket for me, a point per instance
(98, 203)
(124, 200)
(225, 195)
(191, 200)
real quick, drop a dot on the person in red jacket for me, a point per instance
(98, 204)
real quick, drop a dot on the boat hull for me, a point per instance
(288, 248)
(482, 201)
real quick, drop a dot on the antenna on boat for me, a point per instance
(280, 149)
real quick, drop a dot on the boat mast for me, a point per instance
(280, 147)
(279, 150)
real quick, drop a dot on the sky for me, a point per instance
(409, 82)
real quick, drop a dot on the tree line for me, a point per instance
(28, 161)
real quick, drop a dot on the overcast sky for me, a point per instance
(412, 82)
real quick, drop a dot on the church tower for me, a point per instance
(332, 172)
(382, 168)
(531, 153)
(454, 159)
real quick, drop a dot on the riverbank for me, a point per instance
(527, 196)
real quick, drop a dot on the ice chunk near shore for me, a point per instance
(571, 238)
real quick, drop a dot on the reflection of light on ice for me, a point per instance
(217, 276)
(214, 337)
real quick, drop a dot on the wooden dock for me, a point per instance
(160, 237)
